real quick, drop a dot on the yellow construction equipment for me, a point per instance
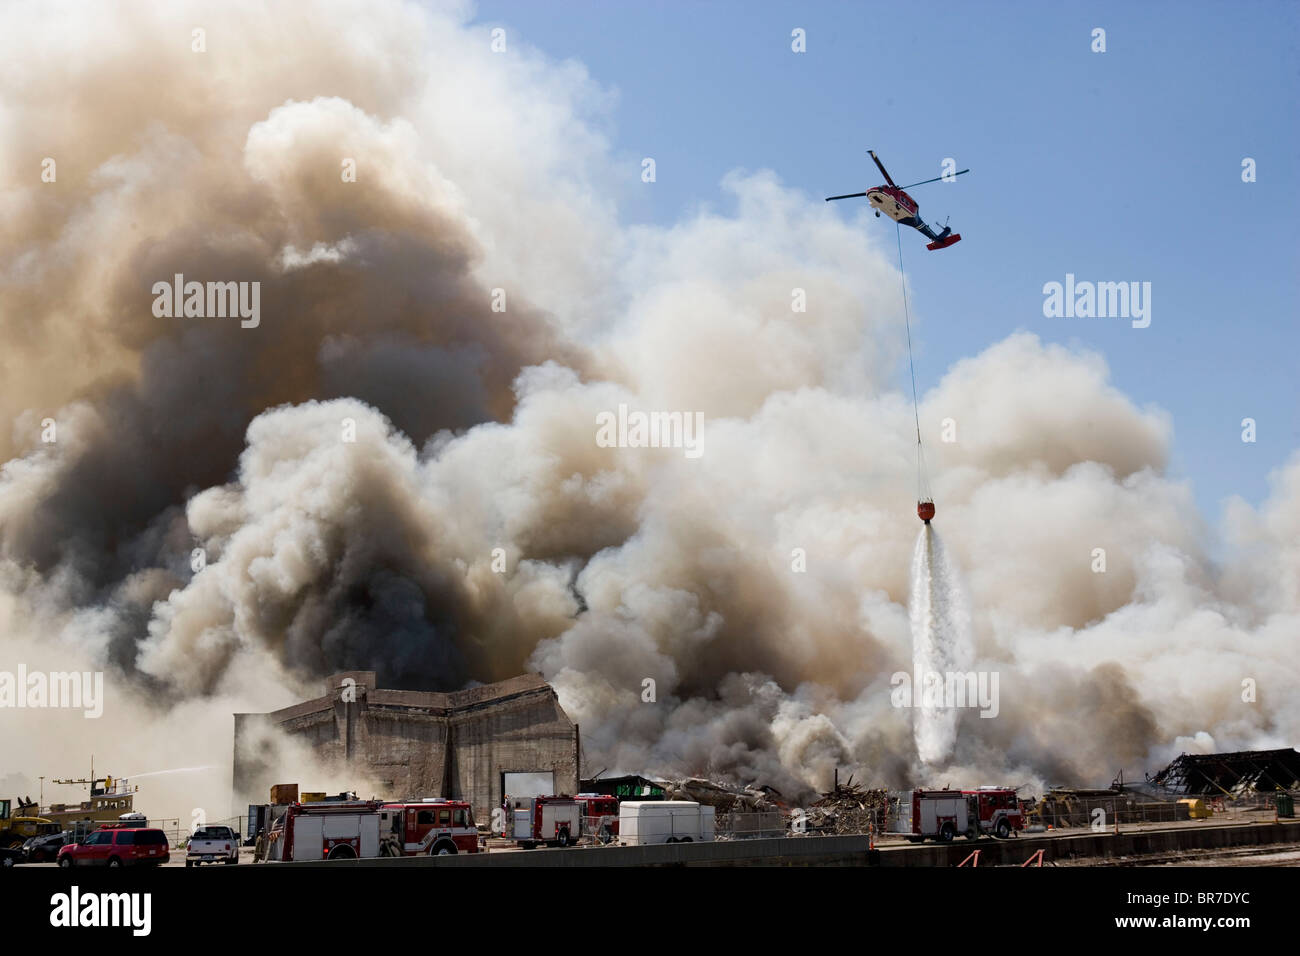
(24, 822)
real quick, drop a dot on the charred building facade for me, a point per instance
(1234, 774)
(475, 745)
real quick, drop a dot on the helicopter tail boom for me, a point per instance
(941, 240)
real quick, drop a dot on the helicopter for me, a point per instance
(895, 203)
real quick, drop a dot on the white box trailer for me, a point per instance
(646, 822)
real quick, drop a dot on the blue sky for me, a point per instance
(1115, 166)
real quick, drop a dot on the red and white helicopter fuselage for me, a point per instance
(895, 203)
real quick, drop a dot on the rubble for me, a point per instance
(848, 808)
(724, 798)
(1078, 807)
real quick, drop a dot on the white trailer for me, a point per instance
(646, 822)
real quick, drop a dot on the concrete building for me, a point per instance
(476, 745)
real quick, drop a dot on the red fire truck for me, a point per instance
(945, 814)
(342, 830)
(554, 820)
(599, 816)
(433, 826)
(937, 814)
(998, 811)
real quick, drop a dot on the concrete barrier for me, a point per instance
(854, 851)
(781, 851)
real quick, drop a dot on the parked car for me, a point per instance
(45, 849)
(212, 844)
(114, 845)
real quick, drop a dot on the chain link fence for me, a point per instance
(748, 826)
(601, 829)
(178, 833)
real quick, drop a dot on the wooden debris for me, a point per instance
(849, 808)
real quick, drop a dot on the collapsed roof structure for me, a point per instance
(1248, 771)
(725, 798)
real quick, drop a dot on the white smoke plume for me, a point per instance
(762, 587)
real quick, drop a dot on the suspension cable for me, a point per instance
(922, 482)
(898, 230)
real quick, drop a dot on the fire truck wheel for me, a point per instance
(563, 838)
(342, 852)
(947, 833)
(1003, 829)
(443, 849)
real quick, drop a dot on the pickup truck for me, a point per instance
(212, 844)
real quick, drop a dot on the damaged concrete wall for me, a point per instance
(412, 744)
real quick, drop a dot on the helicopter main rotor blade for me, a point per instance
(845, 196)
(935, 180)
(884, 172)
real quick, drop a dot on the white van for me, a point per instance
(644, 822)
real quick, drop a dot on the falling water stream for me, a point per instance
(941, 643)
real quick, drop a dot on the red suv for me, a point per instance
(118, 846)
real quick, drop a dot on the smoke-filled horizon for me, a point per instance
(475, 528)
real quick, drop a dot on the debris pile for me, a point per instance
(1073, 807)
(724, 797)
(849, 808)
